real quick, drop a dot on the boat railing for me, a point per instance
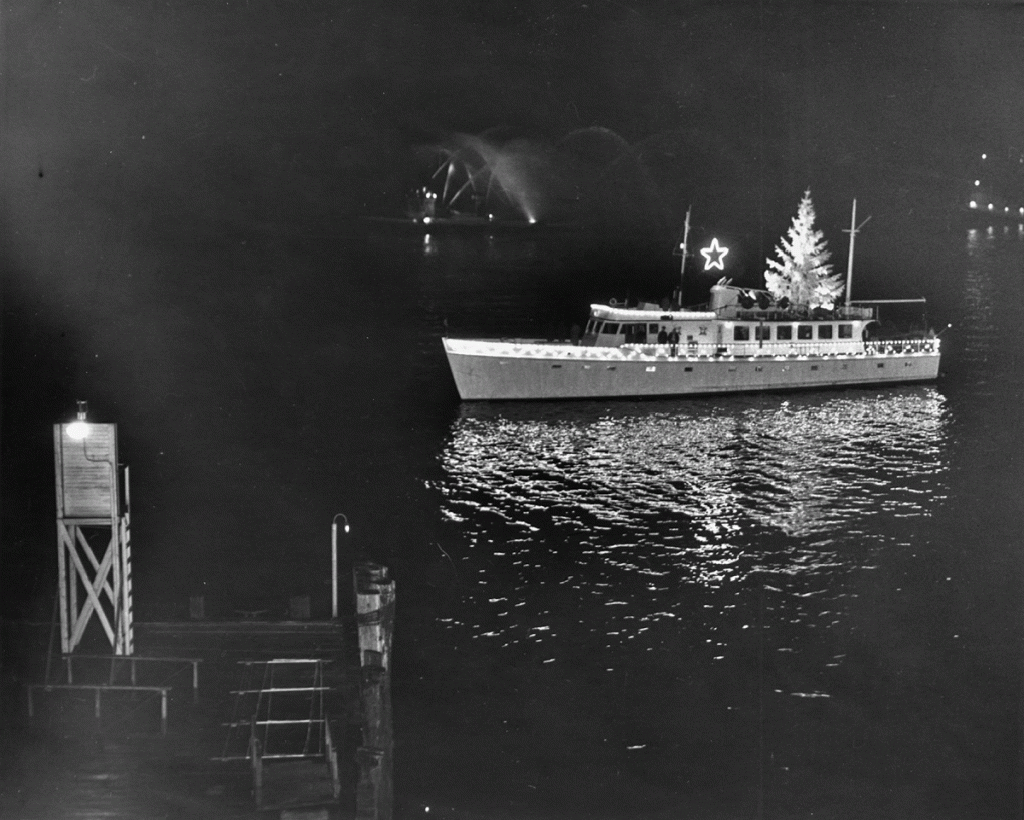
(880, 346)
(787, 349)
(705, 350)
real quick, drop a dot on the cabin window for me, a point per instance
(741, 333)
(804, 332)
(763, 333)
(784, 333)
(653, 328)
(590, 327)
(611, 328)
(845, 331)
(635, 334)
(824, 331)
(597, 326)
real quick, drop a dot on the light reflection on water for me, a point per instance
(978, 327)
(609, 528)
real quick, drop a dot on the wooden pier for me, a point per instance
(192, 672)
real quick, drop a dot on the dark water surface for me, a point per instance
(777, 605)
(770, 605)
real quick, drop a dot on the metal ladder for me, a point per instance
(279, 715)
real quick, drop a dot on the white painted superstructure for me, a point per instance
(742, 343)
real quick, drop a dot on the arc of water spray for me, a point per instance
(448, 179)
(471, 177)
(477, 157)
(445, 164)
(448, 163)
(469, 182)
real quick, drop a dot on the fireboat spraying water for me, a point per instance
(476, 187)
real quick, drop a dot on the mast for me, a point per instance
(683, 252)
(852, 231)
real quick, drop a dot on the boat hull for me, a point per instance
(488, 371)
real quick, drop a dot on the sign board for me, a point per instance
(86, 472)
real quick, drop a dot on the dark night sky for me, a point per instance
(144, 141)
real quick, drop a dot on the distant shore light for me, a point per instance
(974, 203)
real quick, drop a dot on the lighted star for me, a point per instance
(714, 250)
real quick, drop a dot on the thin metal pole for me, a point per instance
(334, 569)
(853, 230)
(849, 261)
(684, 248)
(334, 562)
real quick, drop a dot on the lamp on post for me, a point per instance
(334, 562)
(79, 428)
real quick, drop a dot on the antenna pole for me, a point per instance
(853, 230)
(683, 249)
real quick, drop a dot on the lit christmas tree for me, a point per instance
(803, 275)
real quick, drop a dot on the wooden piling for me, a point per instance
(368, 787)
(375, 618)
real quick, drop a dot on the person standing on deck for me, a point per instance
(673, 340)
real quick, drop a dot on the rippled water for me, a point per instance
(772, 605)
(638, 502)
(661, 594)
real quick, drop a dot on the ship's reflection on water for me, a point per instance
(601, 525)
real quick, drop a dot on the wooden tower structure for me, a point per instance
(93, 535)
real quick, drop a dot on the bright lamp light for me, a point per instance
(78, 430)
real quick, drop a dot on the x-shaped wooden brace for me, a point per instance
(93, 587)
